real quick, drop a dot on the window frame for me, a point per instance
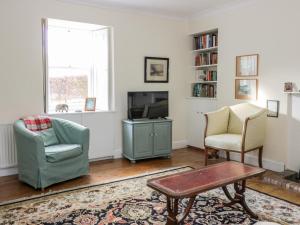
(111, 87)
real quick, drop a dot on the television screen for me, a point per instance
(148, 105)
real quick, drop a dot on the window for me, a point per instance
(77, 65)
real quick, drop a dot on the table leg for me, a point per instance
(172, 207)
(239, 197)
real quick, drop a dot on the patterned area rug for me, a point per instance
(130, 201)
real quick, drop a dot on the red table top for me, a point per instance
(199, 180)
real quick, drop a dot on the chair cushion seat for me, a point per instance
(56, 153)
(225, 141)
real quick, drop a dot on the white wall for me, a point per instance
(270, 29)
(136, 36)
(266, 27)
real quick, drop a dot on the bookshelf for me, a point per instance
(206, 82)
(204, 65)
(292, 92)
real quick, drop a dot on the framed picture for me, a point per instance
(246, 89)
(273, 108)
(90, 104)
(156, 70)
(247, 65)
(288, 87)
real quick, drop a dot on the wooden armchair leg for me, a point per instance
(260, 152)
(205, 156)
(227, 156)
(242, 157)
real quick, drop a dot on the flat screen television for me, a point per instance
(148, 105)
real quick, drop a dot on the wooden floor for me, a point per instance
(107, 170)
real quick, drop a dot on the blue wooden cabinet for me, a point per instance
(146, 138)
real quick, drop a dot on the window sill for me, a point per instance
(79, 113)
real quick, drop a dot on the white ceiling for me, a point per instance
(172, 8)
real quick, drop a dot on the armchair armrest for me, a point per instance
(217, 121)
(71, 133)
(258, 114)
(30, 145)
(254, 130)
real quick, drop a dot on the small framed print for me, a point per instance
(156, 70)
(90, 104)
(246, 89)
(247, 65)
(288, 87)
(273, 108)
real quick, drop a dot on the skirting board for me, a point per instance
(117, 155)
(8, 171)
(179, 144)
(253, 160)
(14, 170)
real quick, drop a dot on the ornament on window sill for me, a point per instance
(61, 108)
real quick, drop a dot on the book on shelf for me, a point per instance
(206, 75)
(211, 75)
(208, 90)
(206, 58)
(204, 90)
(205, 41)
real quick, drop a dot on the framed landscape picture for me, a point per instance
(246, 89)
(156, 70)
(247, 65)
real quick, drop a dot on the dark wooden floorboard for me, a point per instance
(107, 170)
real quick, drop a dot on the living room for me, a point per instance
(138, 32)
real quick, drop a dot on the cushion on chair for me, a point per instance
(218, 121)
(225, 141)
(56, 153)
(49, 137)
(238, 114)
(37, 122)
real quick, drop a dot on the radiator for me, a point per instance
(8, 153)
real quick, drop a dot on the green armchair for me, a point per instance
(41, 166)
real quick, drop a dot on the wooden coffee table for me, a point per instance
(189, 184)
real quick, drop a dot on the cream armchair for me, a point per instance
(239, 128)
